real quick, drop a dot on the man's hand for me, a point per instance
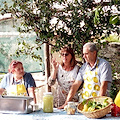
(71, 93)
(1, 91)
(62, 107)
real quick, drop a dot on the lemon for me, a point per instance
(83, 96)
(97, 87)
(91, 73)
(94, 94)
(86, 73)
(96, 73)
(89, 86)
(117, 99)
(95, 79)
(91, 109)
(88, 79)
(86, 94)
(105, 103)
(85, 108)
(84, 85)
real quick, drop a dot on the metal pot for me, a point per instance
(15, 104)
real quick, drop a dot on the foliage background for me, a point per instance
(65, 22)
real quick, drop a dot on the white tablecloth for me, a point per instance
(56, 115)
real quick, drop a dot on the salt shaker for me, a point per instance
(71, 108)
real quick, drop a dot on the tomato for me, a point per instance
(115, 110)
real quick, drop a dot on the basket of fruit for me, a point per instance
(95, 107)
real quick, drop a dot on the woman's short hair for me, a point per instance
(13, 65)
(68, 49)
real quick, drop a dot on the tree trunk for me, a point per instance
(47, 65)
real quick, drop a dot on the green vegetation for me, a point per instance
(92, 105)
(62, 22)
(1, 76)
(113, 38)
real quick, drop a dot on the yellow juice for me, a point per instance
(48, 102)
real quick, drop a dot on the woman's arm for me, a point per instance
(1, 91)
(4, 83)
(52, 78)
(55, 65)
(30, 85)
(72, 92)
(31, 92)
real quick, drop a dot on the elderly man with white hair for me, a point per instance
(95, 73)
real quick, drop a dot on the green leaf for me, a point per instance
(84, 101)
(114, 19)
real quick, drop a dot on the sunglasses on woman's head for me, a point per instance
(64, 54)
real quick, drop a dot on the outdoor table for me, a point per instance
(56, 115)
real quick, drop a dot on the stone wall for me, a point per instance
(111, 52)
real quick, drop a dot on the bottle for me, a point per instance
(48, 102)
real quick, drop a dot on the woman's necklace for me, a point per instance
(17, 79)
(67, 68)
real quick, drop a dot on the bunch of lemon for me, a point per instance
(93, 105)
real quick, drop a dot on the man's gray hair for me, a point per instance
(91, 46)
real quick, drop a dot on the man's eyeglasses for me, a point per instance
(64, 54)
